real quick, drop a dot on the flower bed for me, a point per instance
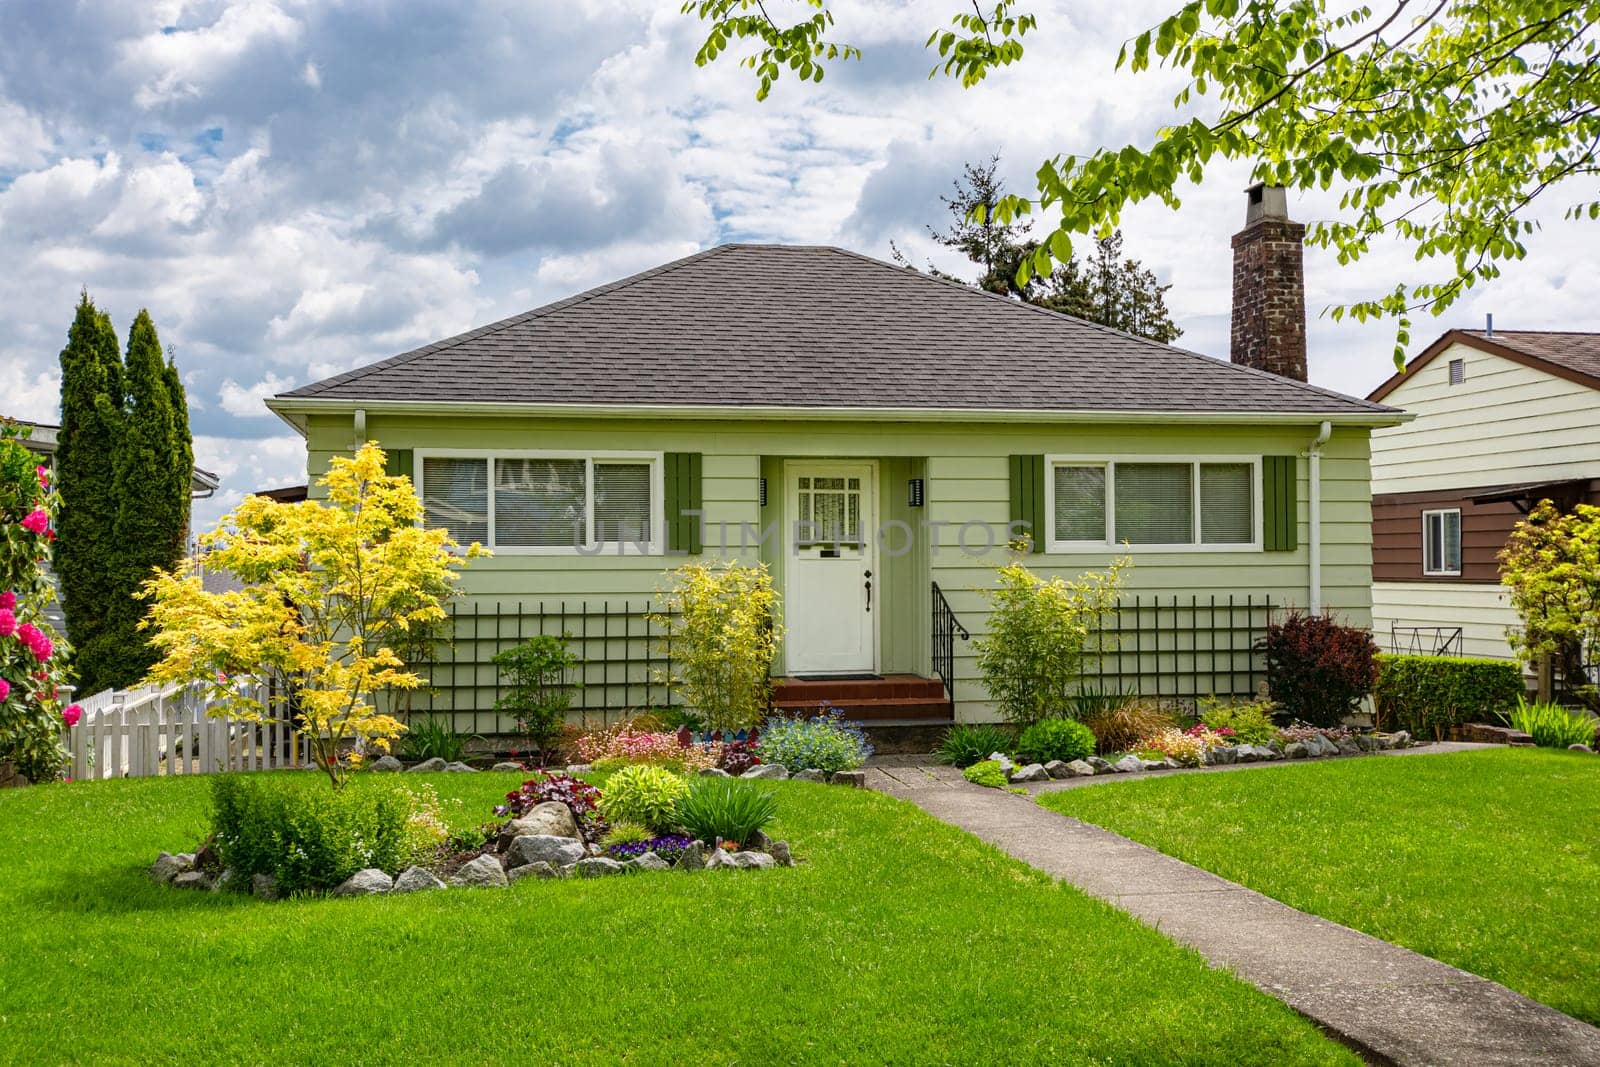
(272, 838)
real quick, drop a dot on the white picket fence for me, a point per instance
(139, 733)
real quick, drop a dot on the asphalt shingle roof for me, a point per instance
(1575, 351)
(787, 326)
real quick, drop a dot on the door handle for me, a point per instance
(868, 584)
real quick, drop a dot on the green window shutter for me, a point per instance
(681, 485)
(1027, 497)
(1280, 521)
(397, 461)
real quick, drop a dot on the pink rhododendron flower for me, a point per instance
(42, 648)
(8, 622)
(71, 714)
(44, 476)
(36, 521)
(8, 600)
(5, 690)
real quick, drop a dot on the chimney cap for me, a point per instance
(1263, 201)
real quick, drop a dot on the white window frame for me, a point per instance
(1441, 512)
(1109, 464)
(591, 548)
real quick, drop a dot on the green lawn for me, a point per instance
(1487, 860)
(898, 940)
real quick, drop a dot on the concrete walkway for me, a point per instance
(1389, 1003)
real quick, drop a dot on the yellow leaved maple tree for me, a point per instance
(330, 587)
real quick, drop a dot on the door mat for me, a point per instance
(838, 677)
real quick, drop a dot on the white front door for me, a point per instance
(830, 597)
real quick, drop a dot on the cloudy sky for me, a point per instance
(295, 187)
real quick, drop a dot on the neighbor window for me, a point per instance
(541, 502)
(1441, 542)
(1140, 502)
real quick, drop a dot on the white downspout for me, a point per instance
(1324, 432)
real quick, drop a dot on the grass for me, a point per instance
(898, 939)
(1486, 860)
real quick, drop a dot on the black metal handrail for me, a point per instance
(1425, 640)
(945, 628)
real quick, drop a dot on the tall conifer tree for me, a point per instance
(88, 444)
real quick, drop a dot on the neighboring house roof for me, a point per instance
(1564, 353)
(289, 494)
(44, 439)
(806, 328)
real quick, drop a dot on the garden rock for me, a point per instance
(1156, 764)
(459, 768)
(854, 779)
(364, 883)
(1078, 769)
(167, 866)
(719, 859)
(780, 852)
(759, 842)
(1224, 755)
(1245, 754)
(228, 879)
(649, 862)
(777, 772)
(597, 867)
(386, 765)
(714, 772)
(1057, 769)
(1580, 747)
(1348, 748)
(417, 880)
(427, 766)
(544, 848)
(576, 769)
(480, 872)
(1033, 772)
(551, 818)
(191, 880)
(1128, 764)
(1100, 766)
(811, 774)
(1402, 740)
(533, 870)
(1297, 750)
(264, 887)
(1004, 760)
(508, 766)
(693, 858)
(753, 860)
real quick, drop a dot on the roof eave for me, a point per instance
(295, 409)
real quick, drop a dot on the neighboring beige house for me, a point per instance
(1504, 419)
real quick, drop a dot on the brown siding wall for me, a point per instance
(1397, 533)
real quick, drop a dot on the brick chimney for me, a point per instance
(1269, 286)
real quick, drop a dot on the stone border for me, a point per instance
(1315, 747)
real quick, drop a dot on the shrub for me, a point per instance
(539, 693)
(736, 757)
(966, 743)
(1250, 720)
(1118, 729)
(1551, 725)
(625, 833)
(986, 772)
(826, 742)
(1187, 747)
(310, 840)
(32, 668)
(433, 738)
(643, 794)
(1055, 739)
(1551, 564)
(1427, 695)
(723, 809)
(627, 744)
(1317, 669)
(1033, 656)
(722, 636)
(1300, 731)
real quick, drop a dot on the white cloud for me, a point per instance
(245, 401)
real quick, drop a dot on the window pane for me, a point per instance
(1080, 504)
(456, 497)
(1452, 541)
(1227, 504)
(622, 502)
(1155, 503)
(1432, 544)
(539, 503)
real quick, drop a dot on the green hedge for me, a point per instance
(1429, 694)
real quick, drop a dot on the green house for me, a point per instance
(876, 436)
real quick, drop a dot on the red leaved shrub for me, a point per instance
(1317, 669)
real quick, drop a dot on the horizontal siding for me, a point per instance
(1483, 612)
(1505, 424)
(967, 483)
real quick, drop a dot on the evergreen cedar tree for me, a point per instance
(1445, 127)
(1106, 288)
(124, 463)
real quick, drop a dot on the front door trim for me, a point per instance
(795, 659)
